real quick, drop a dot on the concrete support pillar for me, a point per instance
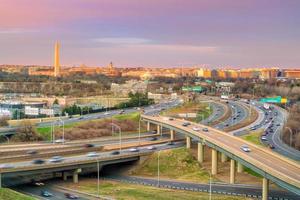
(200, 152)
(148, 126)
(232, 171)
(214, 161)
(75, 177)
(158, 129)
(65, 176)
(265, 189)
(172, 134)
(224, 158)
(188, 142)
(240, 168)
(0, 180)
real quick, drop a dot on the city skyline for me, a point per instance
(144, 34)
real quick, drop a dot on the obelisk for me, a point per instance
(56, 60)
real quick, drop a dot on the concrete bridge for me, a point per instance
(271, 166)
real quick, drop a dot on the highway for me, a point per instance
(272, 122)
(151, 110)
(217, 111)
(285, 171)
(216, 188)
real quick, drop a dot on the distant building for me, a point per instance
(130, 86)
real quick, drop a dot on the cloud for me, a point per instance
(16, 31)
(122, 40)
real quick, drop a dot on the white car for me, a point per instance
(264, 138)
(92, 154)
(151, 147)
(196, 128)
(245, 148)
(59, 141)
(133, 150)
(55, 159)
(106, 113)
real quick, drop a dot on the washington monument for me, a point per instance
(56, 60)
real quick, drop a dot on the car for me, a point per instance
(56, 159)
(45, 193)
(205, 129)
(121, 111)
(6, 166)
(37, 183)
(278, 124)
(186, 124)
(170, 143)
(245, 148)
(226, 124)
(133, 150)
(253, 128)
(89, 145)
(92, 154)
(115, 153)
(32, 152)
(81, 117)
(264, 138)
(171, 119)
(234, 118)
(271, 146)
(38, 161)
(153, 132)
(71, 196)
(196, 128)
(59, 141)
(151, 147)
(152, 139)
(106, 113)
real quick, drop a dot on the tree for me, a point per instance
(56, 102)
(4, 121)
(26, 133)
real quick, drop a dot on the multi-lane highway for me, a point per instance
(279, 169)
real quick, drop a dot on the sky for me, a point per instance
(152, 33)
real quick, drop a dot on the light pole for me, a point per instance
(158, 168)
(120, 133)
(209, 186)
(63, 136)
(98, 177)
(140, 130)
(291, 134)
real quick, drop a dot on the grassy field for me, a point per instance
(124, 191)
(254, 137)
(45, 132)
(174, 164)
(202, 109)
(8, 194)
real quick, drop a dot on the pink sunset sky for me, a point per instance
(247, 33)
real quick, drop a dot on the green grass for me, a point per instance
(135, 116)
(251, 172)
(174, 164)
(190, 107)
(254, 137)
(124, 191)
(8, 194)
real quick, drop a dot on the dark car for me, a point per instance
(271, 146)
(45, 193)
(152, 139)
(71, 196)
(32, 152)
(186, 124)
(38, 161)
(170, 143)
(89, 145)
(115, 152)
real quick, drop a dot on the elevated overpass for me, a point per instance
(269, 165)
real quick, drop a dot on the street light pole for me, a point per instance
(158, 168)
(291, 134)
(98, 178)
(209, 186)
